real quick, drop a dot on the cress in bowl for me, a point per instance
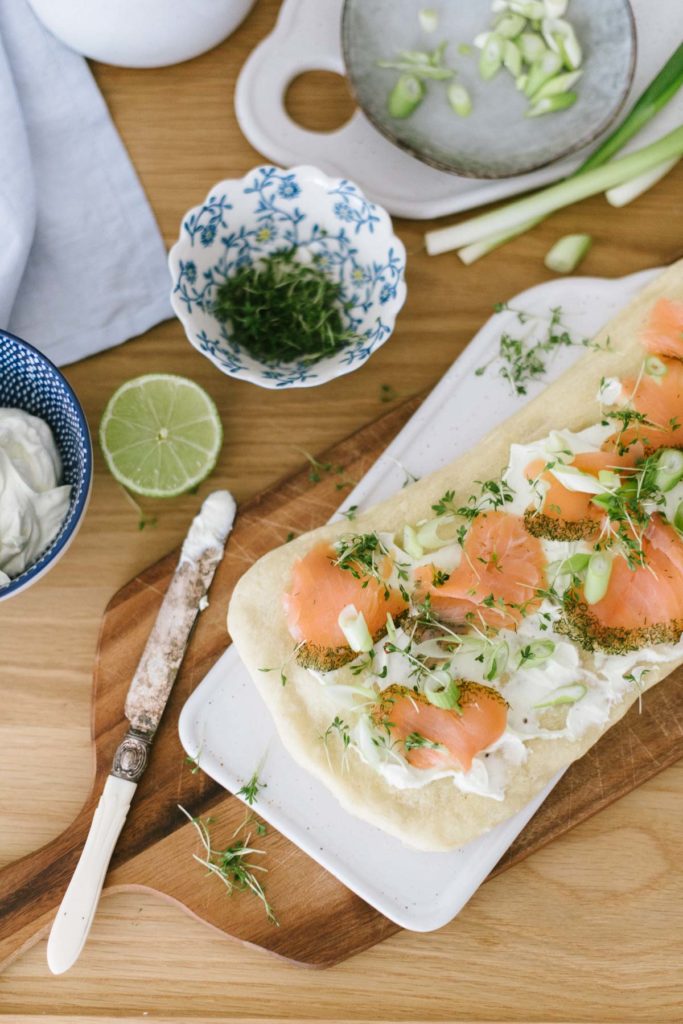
(45, 464)
(321, 262)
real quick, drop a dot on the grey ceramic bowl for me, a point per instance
(496, 140)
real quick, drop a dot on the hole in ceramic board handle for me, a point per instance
(319, 101)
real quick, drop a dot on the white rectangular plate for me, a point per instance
(226, 725)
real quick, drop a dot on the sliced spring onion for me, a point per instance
(429, 19)
(510, 25)
(437, 54)
(573, 565)
(464, 49)
(571, 190)
(555, 8)
(411, 544)
(560, 37)
(541, 71)
(520, 82)
(678, 518)
(597, 577)
(568, 694)
(655, 367)
(406, 96)
(428, 533)
(531, 47)
(558, 84)
(491, 56)
(354, 627)
(573, 479)
(459, 99)
(537, 652)
(550, 104)
(630, 190)
(512, 58)
(661, 89)
(442, 696)
(481, 40)
(495, 660)
(669, 469)
(609, 478)
(533, 9)
(414, 57)
(417, 69)
(567, 252)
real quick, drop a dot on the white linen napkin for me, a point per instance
(82, 262)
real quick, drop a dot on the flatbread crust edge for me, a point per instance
(436, 817)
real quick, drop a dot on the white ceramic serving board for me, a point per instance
(226, 725)
(307, 37)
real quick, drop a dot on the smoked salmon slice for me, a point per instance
(660, 401)
(433, 737)
(643, 605)
(320, 589)
(498, 578)
(663, 334)
(571, 515)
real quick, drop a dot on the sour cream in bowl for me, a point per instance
(45, 464)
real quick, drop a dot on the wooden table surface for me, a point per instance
(587, 929)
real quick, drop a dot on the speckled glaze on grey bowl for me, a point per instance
(496, 140)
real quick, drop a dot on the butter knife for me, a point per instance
(149, 691)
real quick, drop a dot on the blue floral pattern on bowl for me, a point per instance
(29, 381)
(329, 222)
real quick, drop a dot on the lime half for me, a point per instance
(160, 435)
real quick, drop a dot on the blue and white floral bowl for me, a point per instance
(29, 381)
(269, 209)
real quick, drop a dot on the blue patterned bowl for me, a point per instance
(31, 382)
(243, 220)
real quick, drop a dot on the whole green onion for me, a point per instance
(621, 195)
(661, 89)
(571, 190)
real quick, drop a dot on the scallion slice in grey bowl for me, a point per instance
(497, 138)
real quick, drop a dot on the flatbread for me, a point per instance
(437, 816)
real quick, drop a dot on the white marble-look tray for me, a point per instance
(307, 37)
(226, 725)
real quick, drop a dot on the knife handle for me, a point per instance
(77, 910)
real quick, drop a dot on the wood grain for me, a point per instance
(589, 928)
(328, 924)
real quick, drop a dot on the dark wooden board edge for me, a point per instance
(582, 792)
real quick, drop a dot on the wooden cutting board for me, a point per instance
(321, 922)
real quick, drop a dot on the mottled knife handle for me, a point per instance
(200, 555)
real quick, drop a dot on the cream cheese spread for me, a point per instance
(530, 687)
(32, 502)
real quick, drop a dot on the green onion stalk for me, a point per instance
(519, 215)
(498, 228)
